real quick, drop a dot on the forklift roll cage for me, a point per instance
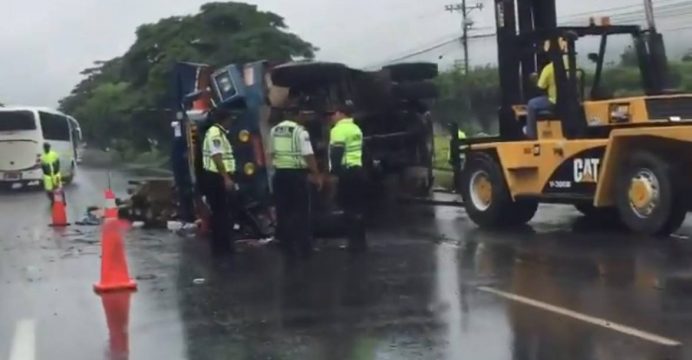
(570, 86)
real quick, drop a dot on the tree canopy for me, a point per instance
(116, 95)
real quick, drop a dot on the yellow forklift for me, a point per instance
(628, 159)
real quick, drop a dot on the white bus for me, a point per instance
(23, 131)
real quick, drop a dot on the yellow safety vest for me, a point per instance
(347, 134)
(217, 136)
(460, 135)
(51, 174)
(286, 145)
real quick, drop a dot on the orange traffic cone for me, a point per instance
(117, 309)
(58, 212)
(114, 273)
(111, 209)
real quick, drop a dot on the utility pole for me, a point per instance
(466, 25)
(657, 51)
(649, 10)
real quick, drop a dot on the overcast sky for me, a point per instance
(46, 43)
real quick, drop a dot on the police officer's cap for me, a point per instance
(346, 107)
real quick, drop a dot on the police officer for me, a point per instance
(346, 159)
(295, 166)
(219, 167)
(50, 164)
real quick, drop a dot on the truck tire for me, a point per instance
(412, 71)
(649, 195)
(484, 190)
(415, 90)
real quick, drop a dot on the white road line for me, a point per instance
(24, 342)
(586, 318)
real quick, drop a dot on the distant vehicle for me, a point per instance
(23, 130)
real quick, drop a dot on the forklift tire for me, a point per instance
(649, 195)
(483, 188)
(522, 211)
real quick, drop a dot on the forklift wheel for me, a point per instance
(649, 195)
(522, 211)
(484, 191)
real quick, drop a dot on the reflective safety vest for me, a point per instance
(460, 135)
(216, 137)
(286, 146)
(50, 162)
(347, 134)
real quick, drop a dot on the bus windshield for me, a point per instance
(17, 121)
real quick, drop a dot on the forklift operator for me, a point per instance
(545, 82)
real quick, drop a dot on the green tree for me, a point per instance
(121, 95)
(471, 101)
(629, 57)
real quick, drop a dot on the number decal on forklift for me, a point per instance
(561, 184)
(586, 170)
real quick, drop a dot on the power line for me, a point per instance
(622, 7)
(437, 46)
(672, 9)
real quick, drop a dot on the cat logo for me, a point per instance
(586, 170)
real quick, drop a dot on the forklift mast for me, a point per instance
(517, 21)
(515, 18)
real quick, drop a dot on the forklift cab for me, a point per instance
(582, 110)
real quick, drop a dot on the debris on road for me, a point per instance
(91, 218)
(152, 201)
(199, 281)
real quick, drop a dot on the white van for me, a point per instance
(23, 130)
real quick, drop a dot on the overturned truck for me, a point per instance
(391, 108)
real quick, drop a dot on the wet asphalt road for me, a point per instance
(427, 289)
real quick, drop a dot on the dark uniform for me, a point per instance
(346, 155)
(290, 147)
(215, 189)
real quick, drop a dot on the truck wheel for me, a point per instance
(649, 195)
(416, 90)
(412, 71)
(486, 197)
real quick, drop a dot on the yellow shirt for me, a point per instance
(547, 81)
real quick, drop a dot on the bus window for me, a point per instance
(55, 127)
(17, 121)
